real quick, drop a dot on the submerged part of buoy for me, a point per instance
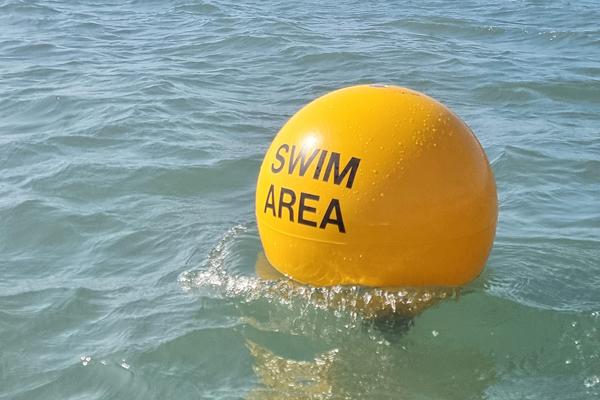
(376, 186)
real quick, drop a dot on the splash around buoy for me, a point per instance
(376, 186)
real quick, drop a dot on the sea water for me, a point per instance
(131, 134)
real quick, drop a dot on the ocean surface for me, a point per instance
(131, 134)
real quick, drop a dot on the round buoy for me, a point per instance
(376, 186)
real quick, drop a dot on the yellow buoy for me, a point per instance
(376, 186)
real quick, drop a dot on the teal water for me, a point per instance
(131, 133)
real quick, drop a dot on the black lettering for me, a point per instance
(280, 158)
(287, 204)
(304, 164)
(302, 208)
(339, 221)
(334, 164)
(270, 203)
(320, 164)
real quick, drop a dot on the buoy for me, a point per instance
(377, 186)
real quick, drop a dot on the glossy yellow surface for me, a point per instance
(376, 186)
